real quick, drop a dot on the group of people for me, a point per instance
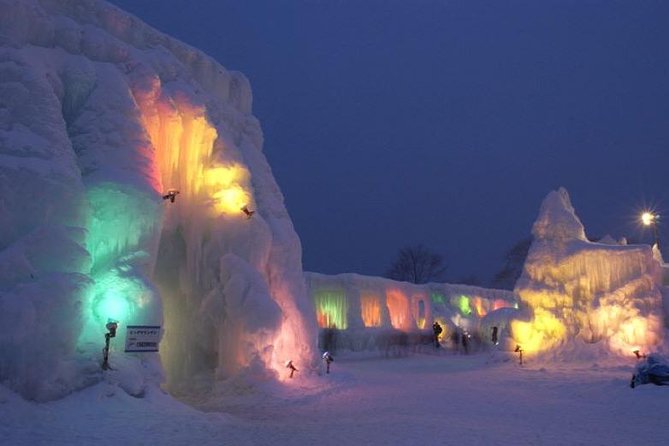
(460, 337)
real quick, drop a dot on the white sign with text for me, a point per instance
(142, 338)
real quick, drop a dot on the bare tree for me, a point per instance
(514, 261)
(416, 264)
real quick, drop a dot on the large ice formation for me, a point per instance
(579, 293)
(100, 115)
(366, 311)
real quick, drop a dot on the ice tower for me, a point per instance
(580, 294)
(100, 117)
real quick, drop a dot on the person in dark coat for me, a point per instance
(436, 329)
(494, 338)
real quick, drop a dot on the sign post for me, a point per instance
(142, 338)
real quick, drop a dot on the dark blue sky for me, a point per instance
(391, 122)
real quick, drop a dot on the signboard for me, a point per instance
(142, 338)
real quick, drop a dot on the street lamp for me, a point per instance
(651, 219)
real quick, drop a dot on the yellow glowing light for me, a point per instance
(648, 218)
(183, 142)
(229, 196)
(540, 334)
(420, 315)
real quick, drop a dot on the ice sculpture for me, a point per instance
(578, 292)
(101, 117)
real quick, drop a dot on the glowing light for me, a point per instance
(112, 305)
(118, 219)
(226, 183)
(501, 303)
(479, 306)
(437, 298)
(462, 303)
(184, 140)
(648, 218)
(420, 315)
(331, 309)
(398, 309)
(370, 310)
(542, 333)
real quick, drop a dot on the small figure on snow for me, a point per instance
(465, 342)
(455, 338)
(436, 329)
(519, 350)
(327, 357)
(494, 337)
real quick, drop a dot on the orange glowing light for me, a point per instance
(370, 310)
(501, 303)
(398, 308)
(420, 310)
(480, 306)
(183, 142)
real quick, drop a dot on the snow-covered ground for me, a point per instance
(417, 399)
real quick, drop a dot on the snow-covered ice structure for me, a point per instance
(365, 310)
(101, 115)
(586, 297)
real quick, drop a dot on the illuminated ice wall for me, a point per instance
(578, 293)
(361, 305)
(100, 116)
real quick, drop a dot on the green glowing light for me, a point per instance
(437, 298)
(462, 303)
(331, 309)
(117, 222)
(112, 305)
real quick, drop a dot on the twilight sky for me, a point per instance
(446, 122)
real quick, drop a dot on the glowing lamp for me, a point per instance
(651, 219)
(648, 218)
(113, 306)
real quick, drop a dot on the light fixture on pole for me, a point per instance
(111, 327)
(652, 219)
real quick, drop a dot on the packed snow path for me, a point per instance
(417, 400)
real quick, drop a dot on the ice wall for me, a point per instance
(579, 293)
(361, 305)
(100, 115)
